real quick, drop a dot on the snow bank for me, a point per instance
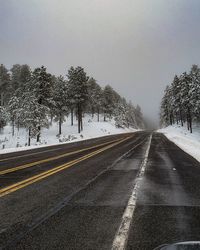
(190, 143)
(91, 129)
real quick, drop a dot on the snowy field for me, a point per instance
(91, 129)
(190, 143)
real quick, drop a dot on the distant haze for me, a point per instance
(136, 46)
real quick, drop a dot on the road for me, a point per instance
(76, 196)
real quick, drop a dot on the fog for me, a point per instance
(136, 46)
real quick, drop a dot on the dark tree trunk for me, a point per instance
(81, 121)
(13, 127)
(72, 117)
(98, 115)
(60, 124)
(191, 126)
(79, 118)
(170, 119)
(51, 119)
(181, 117)
(189, 120)
(188, 127)
(38, 135)
(92, 112)
(39, 127)
(29, 137)
(18, 126)
(173, 119)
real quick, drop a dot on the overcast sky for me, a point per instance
(136, 46)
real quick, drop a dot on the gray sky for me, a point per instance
(136, 46)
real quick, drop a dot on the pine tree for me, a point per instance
(14, 111)
(182, 99)
(108, 103)
(15, 77)
(185, 98)
(60, 108)
(3, 117)
(121, 114)
(139, 117)
(33, 115)
(41, 87)
(95, 97)
(131, 116)
(195, 91)
(77, 91)
(4, 85)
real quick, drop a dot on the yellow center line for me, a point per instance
(33, 179)
(30, 154)
(28, 165)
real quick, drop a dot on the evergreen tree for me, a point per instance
(77, 91)
(33, 115)
(4, 85)
(131, 116)
(41, 88)
(195, 91)
(95, 97)
(108, 103)
(60, 108)
(14, 111)
(139, 117)
(186, 97)
(121, 114)
(181, 100)
(3, 117)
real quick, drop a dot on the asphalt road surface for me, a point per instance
(75, 196)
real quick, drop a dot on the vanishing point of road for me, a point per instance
(127, 191)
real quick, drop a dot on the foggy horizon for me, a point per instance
(134, 46)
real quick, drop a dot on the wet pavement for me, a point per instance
(82, 207)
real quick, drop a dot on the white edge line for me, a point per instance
(121, 237)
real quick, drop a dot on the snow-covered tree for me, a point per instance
(33, 115)
(108, 104)
(3, 117)
(60, 108)
(4, 85)
(77, 91)
(139, 117)
(14, 111)
(181, 100)
(131, 116)
(95, 97)
(121, 114)
(194, 93)
(40, 87)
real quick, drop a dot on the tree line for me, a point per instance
(181, 100)
(33, 98)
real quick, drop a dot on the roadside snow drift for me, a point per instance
(91, 129)
(188, 142)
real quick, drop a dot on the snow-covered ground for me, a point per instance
(91, 129)
(190, 143)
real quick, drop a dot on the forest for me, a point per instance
(181, 101)
(32, 99)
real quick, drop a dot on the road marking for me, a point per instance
(33, 179)
(121, 238)
(21, 156)
(28, 165)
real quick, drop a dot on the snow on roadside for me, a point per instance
(91, 129)
(190, 143)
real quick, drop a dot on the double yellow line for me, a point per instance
(33, 179)
(28, 165)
